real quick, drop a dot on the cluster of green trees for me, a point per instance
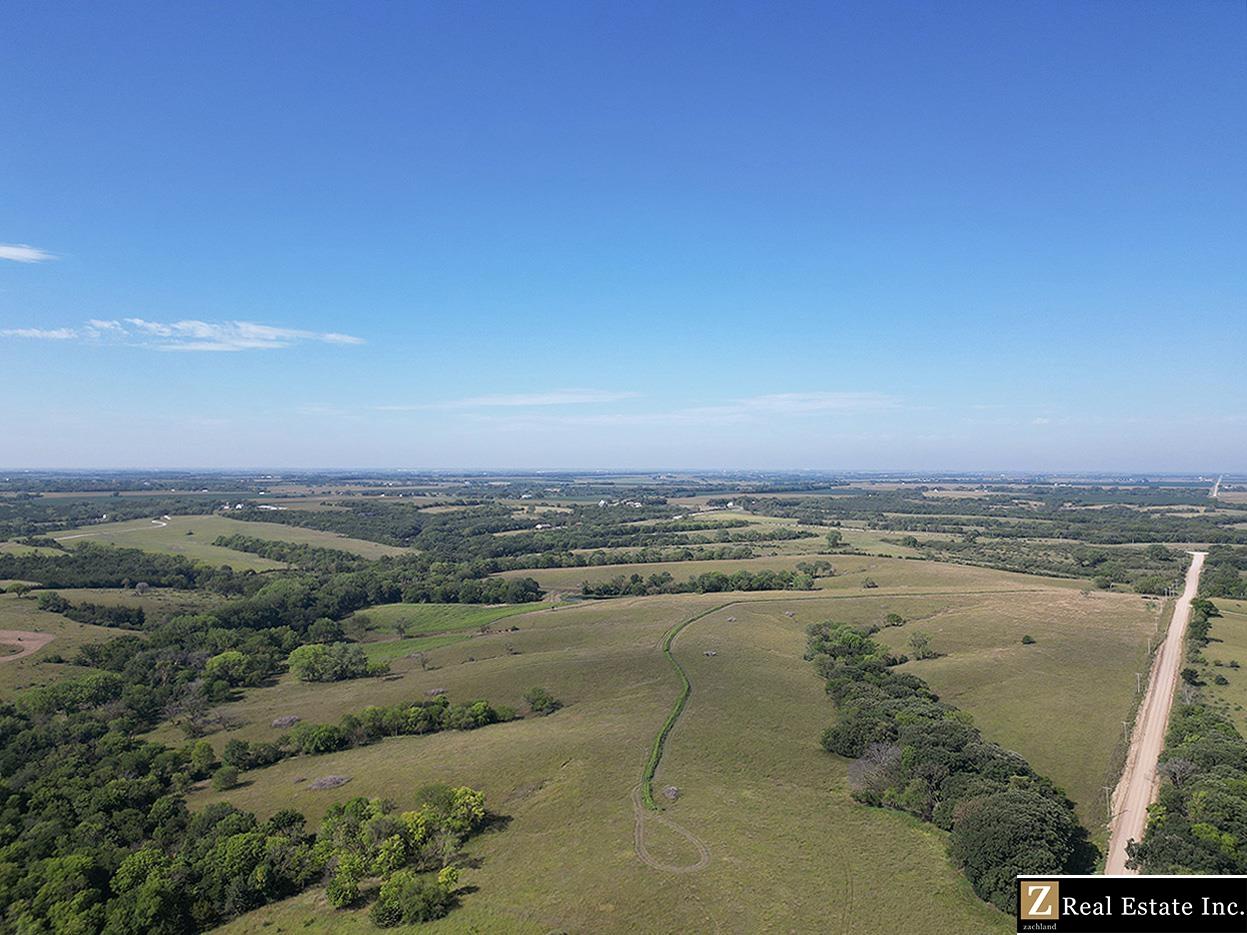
(643, 556)
(372, 724)
(95, 835)
(310, 557)
(411, 852)
(914, 753)
(101, 566)
(708, 582)
(100, 615)
(332, 662)
(1225, 573)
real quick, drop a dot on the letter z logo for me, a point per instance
(1039, 899)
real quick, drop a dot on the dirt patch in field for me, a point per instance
(24, 641)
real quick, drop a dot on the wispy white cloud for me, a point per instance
(519, 400)
(816, 402)
(24, 253)
(44, 334)
(186, 335)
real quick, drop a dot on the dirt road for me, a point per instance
(1139, 782)
(25, 641)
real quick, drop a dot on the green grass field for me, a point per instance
(158, 601)
(418, 619)
(1228, 642)
(744, 753)
(173, 539)
(16, 548)
(24, 614)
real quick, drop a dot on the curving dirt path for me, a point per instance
(644, 815)
(26, 641)
(1139, 780)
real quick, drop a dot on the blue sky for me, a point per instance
(842, 236)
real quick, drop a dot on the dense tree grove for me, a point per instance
(333, 662)
(100, 615)
(309, 557)
(95, 835)
(371, 724)
(1225, 573)
(103, 566)
(785, 579)
(916, 754)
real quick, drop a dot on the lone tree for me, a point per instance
(920, 643)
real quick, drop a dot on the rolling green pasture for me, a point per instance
(566, 861)
(173, 539)
(24, 614)
(1059, 702)
(17, 548)
(1228, 641)
(438, 618)
(744, 754)
(157, 601)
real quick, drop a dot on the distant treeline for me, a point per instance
(470, 534)
(1149, 570)
(101, 566)
(311, 557)
(33, 515)
(1040, 513)
(787, 579)
(916, 754)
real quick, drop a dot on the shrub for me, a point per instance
(410, 898)
(541, 702)
(225, 778)
(1028, 640)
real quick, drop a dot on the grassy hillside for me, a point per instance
(173, 538)
(744, 754)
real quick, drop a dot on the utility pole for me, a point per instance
(1108, 801)
(1125, 731)
(1138, 682)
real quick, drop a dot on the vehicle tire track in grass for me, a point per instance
(642, 815)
